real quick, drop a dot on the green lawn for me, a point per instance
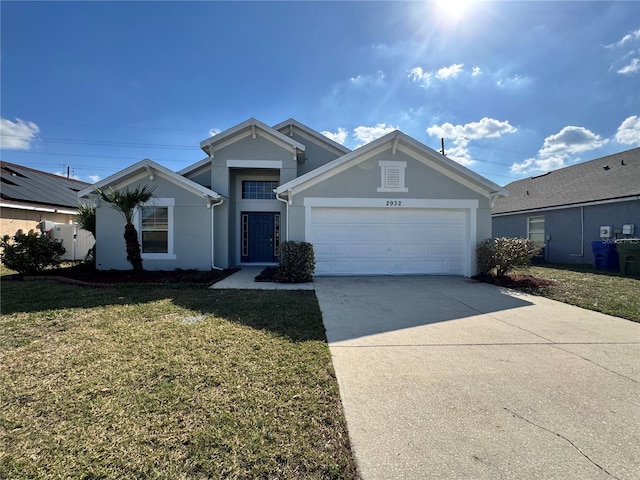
(166, 382)
(586, 287)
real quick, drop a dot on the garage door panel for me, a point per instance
(384, 241)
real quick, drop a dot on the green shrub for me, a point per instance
(504, 254)
(31, 253)
(297, 263)
(485, 256)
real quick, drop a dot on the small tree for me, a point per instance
(504, 254)
(30, 253)
(125, 201)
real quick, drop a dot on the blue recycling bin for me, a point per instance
(605, 255)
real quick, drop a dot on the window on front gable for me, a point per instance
(392, 176)
(155, 223)
(155, 229)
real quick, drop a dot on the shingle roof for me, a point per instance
(26, 185)
(612, 177)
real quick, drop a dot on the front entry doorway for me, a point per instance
(260, 237)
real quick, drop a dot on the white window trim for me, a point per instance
(384, 164)
(137, 220)
(543, 226)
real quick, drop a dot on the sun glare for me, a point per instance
(453, 10)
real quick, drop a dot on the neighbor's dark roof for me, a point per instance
(611, 177)
(26, 185)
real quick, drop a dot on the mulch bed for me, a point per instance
(82, 275)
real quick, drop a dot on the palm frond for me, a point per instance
(125, 201)
(86, 217)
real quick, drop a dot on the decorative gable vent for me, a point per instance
(392, 176)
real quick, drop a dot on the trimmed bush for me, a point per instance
(504, 254)
(27, 254)
(297, 263)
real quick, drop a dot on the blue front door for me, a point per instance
(260, 237)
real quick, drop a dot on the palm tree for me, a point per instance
(86, 218)
(125, 201)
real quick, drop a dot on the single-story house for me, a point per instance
(567, 209)
(32, 200)
(393, 206)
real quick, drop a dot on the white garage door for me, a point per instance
(365, 241)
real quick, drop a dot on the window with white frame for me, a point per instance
(259, 189)
(392, 176)
(535, 228)
(156, 228)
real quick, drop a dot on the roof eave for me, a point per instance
(149, 166)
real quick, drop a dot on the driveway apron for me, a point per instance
(445, 377)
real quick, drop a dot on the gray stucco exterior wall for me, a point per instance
(191, 231)
(363, 180)
(564, 228)
(315, 155)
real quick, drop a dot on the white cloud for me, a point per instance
(531, 165)
(485, 128)
(514, 81)
(17, 135)
(476, 71)
(340, 136)
(621, 63)
(626, 39)
(629, 131)
(558, 148)
(214, 131)
(368, 80)
(417, 75)
(633, 67)
(462, 134)
(369, 134)
(571, 140)
(94, 178)
(451, 71)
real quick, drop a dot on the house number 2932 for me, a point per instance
(394, 203)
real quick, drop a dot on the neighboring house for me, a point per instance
(393, 206)
(29, 197)
(567, 209)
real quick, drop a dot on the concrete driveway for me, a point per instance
(443, 377)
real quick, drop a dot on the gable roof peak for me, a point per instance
(293, 123)
(412, 146)
(151, 168)
(251, 123)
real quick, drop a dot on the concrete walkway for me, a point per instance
(446, 378)
(244, 279)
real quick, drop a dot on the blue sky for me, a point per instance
(515, 88)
